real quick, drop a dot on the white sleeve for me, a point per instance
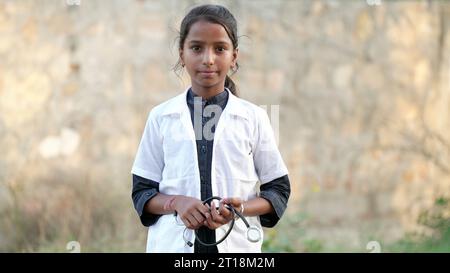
(268, 162)
(149, 161)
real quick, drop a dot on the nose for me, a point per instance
(208, 57)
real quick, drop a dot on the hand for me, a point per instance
(223, 215)
(191, 211)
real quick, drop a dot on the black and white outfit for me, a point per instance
(241, 160)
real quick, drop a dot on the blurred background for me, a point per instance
(363, 89)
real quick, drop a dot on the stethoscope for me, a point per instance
(253, 233)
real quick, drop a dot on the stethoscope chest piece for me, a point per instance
(253, 234)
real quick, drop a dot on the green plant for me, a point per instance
(437, 221)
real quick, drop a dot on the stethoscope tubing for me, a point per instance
(233, 211)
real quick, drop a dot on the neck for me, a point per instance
(207, 92)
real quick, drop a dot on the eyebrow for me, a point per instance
(202, 42)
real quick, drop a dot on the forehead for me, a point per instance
(208, 33)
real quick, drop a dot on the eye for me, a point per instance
(195, 48)
(220, 49)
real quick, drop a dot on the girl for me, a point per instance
(208, 142)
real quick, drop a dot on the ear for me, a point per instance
(180, 54)
(235, 56)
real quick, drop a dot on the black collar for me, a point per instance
(219, 99)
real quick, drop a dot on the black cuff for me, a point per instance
(271, 219)
(144, 190)
(277, 192)
(147, 219)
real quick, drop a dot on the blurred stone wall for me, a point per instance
(363, 92)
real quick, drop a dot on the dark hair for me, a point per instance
(214, 14)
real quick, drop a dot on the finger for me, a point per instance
(208, 213)
(217, 217)
(204, 210)
(230, 215)
(214, 214)
(224, 211)
(215, 206)
(211, 224)
(198, 226)
(188, 218)
(198, 216)
(193, 222)
(186, 222)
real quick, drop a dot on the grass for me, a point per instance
(289, 235)
(46, 220)
(436, 222)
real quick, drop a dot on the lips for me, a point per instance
(207, 73)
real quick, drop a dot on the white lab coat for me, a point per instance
(244, 152)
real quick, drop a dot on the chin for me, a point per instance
(208, 84)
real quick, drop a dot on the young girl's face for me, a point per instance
(208, 54)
